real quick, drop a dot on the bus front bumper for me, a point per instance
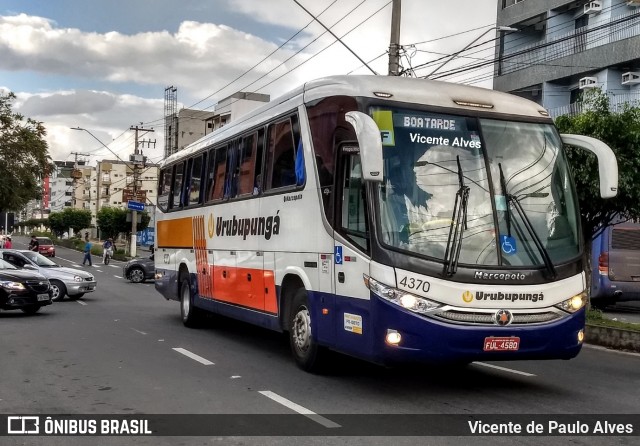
(425, 339)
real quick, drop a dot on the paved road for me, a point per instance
(124, 350)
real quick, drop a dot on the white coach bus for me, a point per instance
(387, 218)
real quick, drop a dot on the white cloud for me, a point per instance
(200, 58)
(104, 115)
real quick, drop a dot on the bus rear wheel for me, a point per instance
(306, 352)
(191, 316)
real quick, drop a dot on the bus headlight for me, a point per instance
(406, 300)
(574, 303)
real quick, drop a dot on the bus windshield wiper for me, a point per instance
(458, 225)
(512, 199)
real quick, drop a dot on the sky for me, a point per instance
(104, 65)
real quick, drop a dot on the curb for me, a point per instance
(615, 338)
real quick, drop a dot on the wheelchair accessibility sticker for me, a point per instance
(338, 255)
(508, 245)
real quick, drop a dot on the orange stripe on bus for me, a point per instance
(247, 287)
(176, 233)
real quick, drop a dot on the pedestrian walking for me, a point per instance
(87, 252)
(7, 243)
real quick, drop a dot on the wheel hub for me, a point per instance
(302, 330)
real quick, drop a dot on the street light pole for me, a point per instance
(457, 53)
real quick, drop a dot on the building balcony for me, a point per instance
(616, 103)
(615, 29)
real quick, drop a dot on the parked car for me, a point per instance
(140, 269)
(615, 261)
(46, 247)
(23, 290)
(71, 282)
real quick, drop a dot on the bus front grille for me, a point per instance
(487, 318)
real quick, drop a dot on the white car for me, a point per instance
(71, 282)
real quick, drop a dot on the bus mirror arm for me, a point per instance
(607, 164)
(370, 142)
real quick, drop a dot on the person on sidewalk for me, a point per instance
(87, 253)
(7, 243)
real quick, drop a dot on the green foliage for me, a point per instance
(113, 221)
(57, 224)
(76, 219)
(24, 156)
(621, 131)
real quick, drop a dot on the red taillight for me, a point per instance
(603, 264)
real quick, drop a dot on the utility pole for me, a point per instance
(394, 43)
(76, 174)
(138, 163)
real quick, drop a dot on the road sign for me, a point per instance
(128, 195)
(135, 205)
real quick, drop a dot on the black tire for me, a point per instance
(76, 296)
(31, 309)
(59, 290)
(309, 356)
(136, 275)
(191, 316)
(106, 259)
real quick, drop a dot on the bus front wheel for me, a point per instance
(306, 352)
(190, 314)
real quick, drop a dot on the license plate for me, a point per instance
(492, 344)
(43, 297)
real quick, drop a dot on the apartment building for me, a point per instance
(110, 182)
(563, 48)
(61, 185)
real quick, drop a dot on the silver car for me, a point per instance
(64, 281)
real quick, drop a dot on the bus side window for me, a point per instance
(177, 186)
(164, 189)
(184, 201)
(219, 172)
(196, 179)
(210, 176)
(280, 156)
(247, 165)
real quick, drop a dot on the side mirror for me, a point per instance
(370, 143)
(607, 163)
(29, 266)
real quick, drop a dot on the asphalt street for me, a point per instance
(123, 350)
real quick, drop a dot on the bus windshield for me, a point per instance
(521, 200)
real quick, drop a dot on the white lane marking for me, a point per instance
(114, 266)
(610, 350)
(193, 356)
(301, 410)
(99, 270)
(138, 331)
(81, 303)
(75, 265)
(117, 277)
(236, 377)
(504, 369)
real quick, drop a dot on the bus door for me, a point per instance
(351, 259)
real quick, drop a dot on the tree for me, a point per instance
(76, 219)
(621, 131)
(24, 157)
(113, 221)
(56, 223)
